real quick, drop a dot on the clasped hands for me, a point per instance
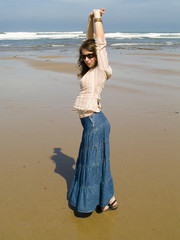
(96, 13)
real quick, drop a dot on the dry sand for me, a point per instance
(40, 137)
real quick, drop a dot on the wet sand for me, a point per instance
(40, 137)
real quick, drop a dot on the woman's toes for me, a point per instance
(105, 208)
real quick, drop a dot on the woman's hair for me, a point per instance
(90, 46)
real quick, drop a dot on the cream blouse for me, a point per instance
(92, 83)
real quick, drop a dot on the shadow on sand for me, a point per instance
(64, 167)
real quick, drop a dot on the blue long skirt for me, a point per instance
(92, 183)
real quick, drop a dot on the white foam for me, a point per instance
(57, 45)
(169, 43)
(5, 45)
(119, 35)
(136, 44)
(80, 34)
(39, 35)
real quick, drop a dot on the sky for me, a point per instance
(72, 15)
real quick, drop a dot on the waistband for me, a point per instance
(94, 120)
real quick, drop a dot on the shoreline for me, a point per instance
(47, 64)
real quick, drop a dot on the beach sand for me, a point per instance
(40, 137)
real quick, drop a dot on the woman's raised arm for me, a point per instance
(90, 27)
(98, 22)
(101, 43)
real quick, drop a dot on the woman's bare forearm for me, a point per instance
(90, 27)
(98, 24)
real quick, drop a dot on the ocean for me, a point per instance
(67, 43)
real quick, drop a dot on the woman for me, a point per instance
(92, 183)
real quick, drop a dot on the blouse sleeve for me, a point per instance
(102, 56)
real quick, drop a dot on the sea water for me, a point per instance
(67, 43)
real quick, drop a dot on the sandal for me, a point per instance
(111, 207)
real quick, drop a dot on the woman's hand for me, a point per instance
(98, 12)
(102, 10)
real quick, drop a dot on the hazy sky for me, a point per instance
(71, 15)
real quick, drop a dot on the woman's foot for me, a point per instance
(111, 206)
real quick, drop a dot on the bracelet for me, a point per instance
(98, 20)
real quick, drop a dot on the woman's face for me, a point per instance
(88, 57)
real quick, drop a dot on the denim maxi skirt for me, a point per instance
(92, 183)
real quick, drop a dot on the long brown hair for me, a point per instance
(90, 46)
